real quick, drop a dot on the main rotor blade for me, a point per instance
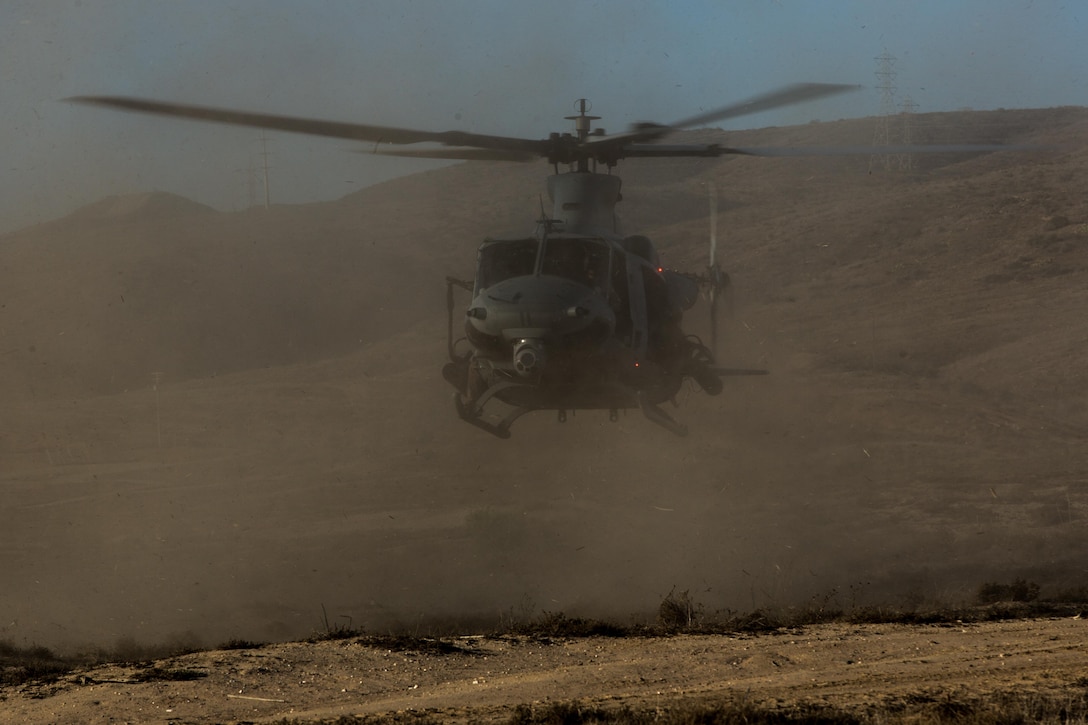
(457, 154)
(789, 95)
(312, 126)
(962, 148)
(646, 151)
(786, 96)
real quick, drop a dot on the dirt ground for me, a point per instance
(224, 426)
(858, 670)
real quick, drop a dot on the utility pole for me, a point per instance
(264, 159)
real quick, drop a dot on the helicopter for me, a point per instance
(576, 315)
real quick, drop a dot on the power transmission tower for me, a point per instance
(882, 134)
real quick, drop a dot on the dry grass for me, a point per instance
(1001, 708)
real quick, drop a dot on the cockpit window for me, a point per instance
(581, 260)
(502, 260)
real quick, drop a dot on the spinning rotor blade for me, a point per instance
(558, 148)
(787, 96)
(313, 126)
(648, 151)
(962, 148)
(462, 154)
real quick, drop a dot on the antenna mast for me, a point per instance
(582, 126)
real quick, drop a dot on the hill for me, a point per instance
(156, 205)
(921, 432)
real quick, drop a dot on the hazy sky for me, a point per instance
(494, 66)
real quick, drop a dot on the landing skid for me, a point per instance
(472, 413)
(657, 415)
(472, 410)
(472, 416)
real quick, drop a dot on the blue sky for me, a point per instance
(513, 68)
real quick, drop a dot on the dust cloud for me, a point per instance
(233, 425)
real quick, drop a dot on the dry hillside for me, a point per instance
(218, 424)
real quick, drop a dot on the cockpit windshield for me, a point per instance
(584, 261)
(500, 261)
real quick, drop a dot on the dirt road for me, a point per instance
(853, 669)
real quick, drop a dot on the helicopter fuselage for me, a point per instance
(569, 321)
